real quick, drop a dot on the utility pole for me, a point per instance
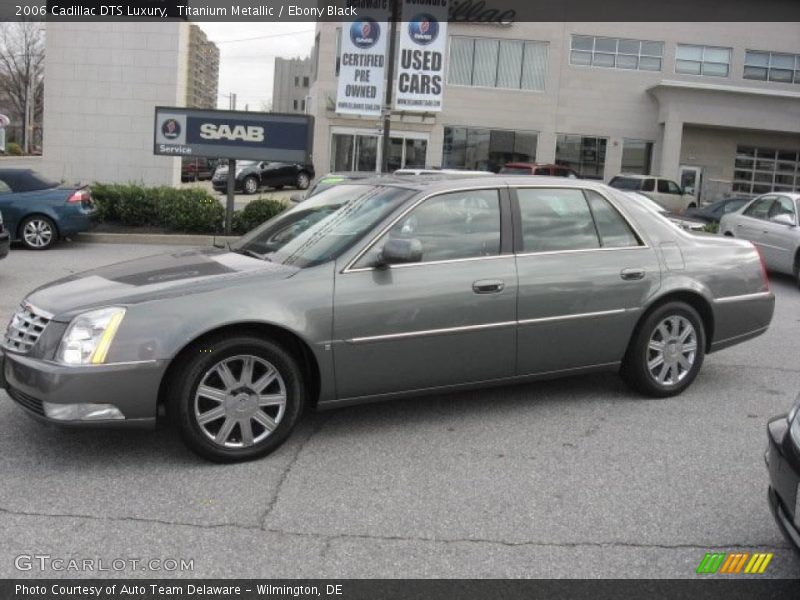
(394, 16)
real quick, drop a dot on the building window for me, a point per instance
(305, 81)
(763, 170)
(296, 81)
(586, 155)
(616, 53)
(487, 149)
(772, 66)
(303, 105)
(636, 156)
(495, 63)
(294, 104)
(702, 60)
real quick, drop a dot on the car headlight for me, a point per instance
(89, 336)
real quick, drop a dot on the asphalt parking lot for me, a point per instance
(571, 478)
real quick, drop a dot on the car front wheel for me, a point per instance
(302, 181)
(38, 232)
(237, 399)
(250, 185)
(666, 352)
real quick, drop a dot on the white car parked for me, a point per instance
(665, 192)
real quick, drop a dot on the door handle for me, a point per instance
(488, 286)
(632, 274)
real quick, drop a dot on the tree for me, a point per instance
(22, 73)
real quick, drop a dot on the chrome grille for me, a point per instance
(25, 327)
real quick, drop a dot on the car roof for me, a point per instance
(638, 176)
(445, 182)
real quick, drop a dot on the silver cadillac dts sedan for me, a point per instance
(380, 289)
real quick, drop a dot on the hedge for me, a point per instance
(190, 210)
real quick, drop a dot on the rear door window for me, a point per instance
(613, 229)
(553, 220)
(625, 183)
(649, 185)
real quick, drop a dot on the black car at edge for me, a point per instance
(253, 175)
(783, 462)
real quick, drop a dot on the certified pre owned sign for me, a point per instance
(232, 134)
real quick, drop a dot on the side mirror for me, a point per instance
(400, 251)
(784, 219)
(296, 198)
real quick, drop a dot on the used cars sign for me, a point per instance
(233, 134)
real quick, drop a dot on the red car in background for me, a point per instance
(523, 168)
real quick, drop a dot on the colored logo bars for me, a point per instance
(734, 563)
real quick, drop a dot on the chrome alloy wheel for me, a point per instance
(672, 350)
(250, 185)
(38, 233)
(240, 401)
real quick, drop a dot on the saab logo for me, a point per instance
(734, 563)
(423, 29)
(171, 129)
(245, 133)
(365, 33)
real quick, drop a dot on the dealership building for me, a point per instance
(715, 106)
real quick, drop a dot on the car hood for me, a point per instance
(151, 278)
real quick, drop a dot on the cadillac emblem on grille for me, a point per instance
(24, 330)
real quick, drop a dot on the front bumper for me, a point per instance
(783, 462)
(131, 387)
(5, 244)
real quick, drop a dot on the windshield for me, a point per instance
(625, 183)
(322, 227)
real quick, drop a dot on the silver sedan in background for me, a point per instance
(770, 222)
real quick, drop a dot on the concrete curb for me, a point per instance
(153, 238)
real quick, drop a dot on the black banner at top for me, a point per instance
(498, 12)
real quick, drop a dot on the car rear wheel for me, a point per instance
(237, 399)
(666, 352)
(302, 181)
(250, 185)
(38, 232)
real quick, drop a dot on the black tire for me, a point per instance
(635, 367)
(47, 234)
(303, 181)
(185, 403)
(797, 271)
(279, 187)
(250, 185)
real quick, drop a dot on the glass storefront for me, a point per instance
(486, 149)
(586, 155)
(361, 151)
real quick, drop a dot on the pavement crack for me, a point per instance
(317, 424)
(329, 539)
(122, 519)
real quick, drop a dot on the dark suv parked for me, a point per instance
(252, 175)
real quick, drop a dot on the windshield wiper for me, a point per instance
(252, 253)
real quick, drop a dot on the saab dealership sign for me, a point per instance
(233, 134)
(362, 62)
(423, 38)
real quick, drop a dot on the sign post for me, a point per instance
(387, 109)
(229, 204)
